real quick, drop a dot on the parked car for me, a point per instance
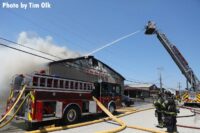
(127, 100)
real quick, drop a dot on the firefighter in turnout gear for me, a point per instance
(170, 113)
(158, 103)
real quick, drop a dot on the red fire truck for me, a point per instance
(60, 99)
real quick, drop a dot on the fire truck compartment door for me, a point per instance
(59, 109)
(92, 107)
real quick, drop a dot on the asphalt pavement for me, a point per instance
(143, 119)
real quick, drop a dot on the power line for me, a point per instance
(65, 64)
(139, 82)
(54, 56)
(69, 64)
(26, 52)
(48, 30)
(31, 21)
(29, 48)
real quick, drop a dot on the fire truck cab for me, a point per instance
(61, 100)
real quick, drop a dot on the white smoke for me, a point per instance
(15, 62)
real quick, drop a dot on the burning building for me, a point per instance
(85, 69)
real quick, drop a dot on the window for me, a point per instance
(118, 90)
(95, 63)
(114, 89)
(105, 87)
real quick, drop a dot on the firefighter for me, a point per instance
(158, 103)
(18, 81)
(170, 113)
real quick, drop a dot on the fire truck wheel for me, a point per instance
(71, 115)
(112, 108)
(31, 126)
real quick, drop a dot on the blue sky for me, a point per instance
(86, 25)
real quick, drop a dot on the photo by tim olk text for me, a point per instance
(28, 5)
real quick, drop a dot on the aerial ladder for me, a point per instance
(192, 96)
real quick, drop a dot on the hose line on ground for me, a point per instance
(146, 129)
(186, 116)
(51, 129)
(184, 107)
(123, 125)
(185, 126)
(191, 109)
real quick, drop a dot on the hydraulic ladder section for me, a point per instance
(176, 56)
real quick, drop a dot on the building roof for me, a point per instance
(85, 57)
(138, 86)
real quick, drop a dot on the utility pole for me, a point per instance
(161, 81)
(179, 87)
(100, 87)
(187, 85)
(160, 78)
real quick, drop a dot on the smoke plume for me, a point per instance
(15, 62)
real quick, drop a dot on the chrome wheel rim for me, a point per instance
(71, 115)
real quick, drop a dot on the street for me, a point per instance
(143, 119)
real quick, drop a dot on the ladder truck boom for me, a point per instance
(176, 55)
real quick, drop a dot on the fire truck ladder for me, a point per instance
(176, 56)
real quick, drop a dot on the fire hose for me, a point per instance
(186, 116)
(191, 109)
(15, 103)
(194, 110)
(8, 121)
(146, 129)
(186, 126)
(123, 126)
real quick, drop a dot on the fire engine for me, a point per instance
(192, 94)
(63, 100)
